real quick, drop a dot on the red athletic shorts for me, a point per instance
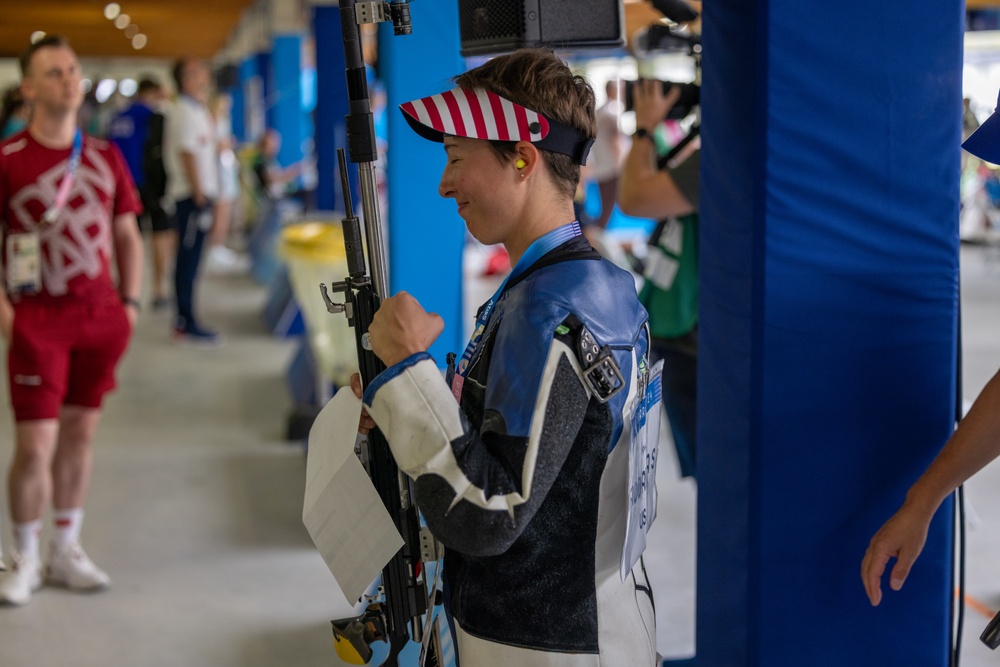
(64, 354)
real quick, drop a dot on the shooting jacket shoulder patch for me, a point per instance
(601, 373)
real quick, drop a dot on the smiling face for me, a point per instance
(483, 187)
(52, 83)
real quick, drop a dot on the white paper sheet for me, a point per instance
(342, 510)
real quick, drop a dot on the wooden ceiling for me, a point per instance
(173, 28)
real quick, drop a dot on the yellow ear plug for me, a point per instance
(520, 164)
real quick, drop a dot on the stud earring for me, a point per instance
(520, 164)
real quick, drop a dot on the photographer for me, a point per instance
(670, 293)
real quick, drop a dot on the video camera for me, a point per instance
(690, 98)
(674, 38)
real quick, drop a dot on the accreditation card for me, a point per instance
(24, 263)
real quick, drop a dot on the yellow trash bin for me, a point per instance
(314, 253)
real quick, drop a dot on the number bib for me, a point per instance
(646, 409)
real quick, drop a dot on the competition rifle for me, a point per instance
(394, 613)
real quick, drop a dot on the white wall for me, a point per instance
(981, 73)
(115, 68)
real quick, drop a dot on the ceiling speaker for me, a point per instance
(489, 27)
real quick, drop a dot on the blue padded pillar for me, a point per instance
(266, 83)
(828, 319)
(238, 113)
(426, 235)
(249, 103)
(285, 99)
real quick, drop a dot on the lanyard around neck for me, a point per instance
(538, 249)
(62, 194)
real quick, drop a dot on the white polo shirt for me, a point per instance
(190, 128)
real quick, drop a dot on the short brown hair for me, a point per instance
(148, 85)
(538, 80)
(47, 42)
(178, 73)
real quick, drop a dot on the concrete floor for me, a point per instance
(195, 510)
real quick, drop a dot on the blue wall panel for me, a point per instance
(246, 102)
(285, 96)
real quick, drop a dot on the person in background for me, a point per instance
(969, 125)
(68, 206)
(191, 160)
(14, 113)
(606, 158)
(969, 121)
(668, 193)
(274, 182)
(220, 257)
(138, 132)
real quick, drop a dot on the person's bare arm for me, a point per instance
(974, 444)
(6, 315)
(288, 174)
(643, 190)
(128, 257)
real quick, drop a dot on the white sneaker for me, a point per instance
(72, 568)
(24, 578)
(222, 260)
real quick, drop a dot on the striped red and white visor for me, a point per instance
(481, 114)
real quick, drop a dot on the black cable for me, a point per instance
(960, 623)
(960, 502)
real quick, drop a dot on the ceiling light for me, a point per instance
(132, 30)
(36, 36)
(105, 89)
(112, 10)
(127, 87)
(139, 41)
(122, 21)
